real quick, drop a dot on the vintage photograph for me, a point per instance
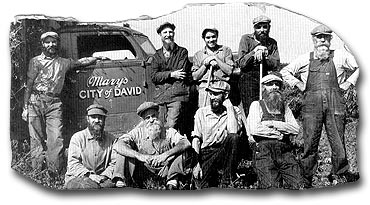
(258, 98)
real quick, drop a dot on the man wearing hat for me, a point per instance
(42, 106)
(90, 158)
(324, 75)
(213, 55)
(215, 138)
(171, 77)
(271, 124)
(256, 50)
(150, 149)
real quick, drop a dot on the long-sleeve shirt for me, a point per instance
(88, 155)
(343, 61)
(257, 127)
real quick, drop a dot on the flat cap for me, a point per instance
(219, 86)
(145, 106)
(321, 29)
(261, 19)
(49, 34)
(165, 25)
(96, 109)
(270, 77)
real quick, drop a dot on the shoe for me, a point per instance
(172, 185)
(120, 183)
(350, 177)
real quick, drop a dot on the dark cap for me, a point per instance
(219, 86)
(261, 19)
(49, 34)
(96, 109)
(206, 30)
(145, 106)
(321, 29)
(165, 25)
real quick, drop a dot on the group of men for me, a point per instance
(160, 147)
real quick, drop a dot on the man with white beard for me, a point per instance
(150, 149)
(323, 77)
(271, 124)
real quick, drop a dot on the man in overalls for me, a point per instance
(323, 74)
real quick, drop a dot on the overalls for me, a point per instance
(323, 104)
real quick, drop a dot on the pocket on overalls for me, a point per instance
(339, 103)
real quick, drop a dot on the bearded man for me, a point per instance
(150, 149)
(256, 49)
(171, 77)
(90, 158)
(324, 75)
(272, 124)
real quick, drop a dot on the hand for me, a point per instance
(208, 60)
(197, 172)
(97, 178)
(102, 58)
(25, 114)
(345, 86)
(158, 160)
(213, 63)
(145, 158)
(178, 74)
(260, 52)
(300, 86)
(227, 103)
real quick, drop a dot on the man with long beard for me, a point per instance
(271, 124)
(90, 158)
(256, 49)
(215, 138)
(324, 74)
(150, 149)
(171, 77)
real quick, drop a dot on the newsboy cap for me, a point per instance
(165, 25)
(321, 29)
(261, 19)
(96, 109)
(49, 34)
(219, 86)
(145, 106)
(270, 77)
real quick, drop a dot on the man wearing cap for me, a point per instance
(218, 57)
(150, 149)
(256, 49)
(271, 124)
(42, 106)
(215, 138)
(90, 158)
(171, 77)
(324, 75)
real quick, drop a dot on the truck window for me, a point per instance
(145, 44)
(114, 47)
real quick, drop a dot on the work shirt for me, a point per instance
(255, 126)
(211, 128)
(343, 62)
(223, 53)
(88, 155)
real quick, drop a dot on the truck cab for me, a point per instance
(120, 83)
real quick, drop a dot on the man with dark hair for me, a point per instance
(42, 106)
(323, 77)
(171, 77)
(90, 158)
(271, 124)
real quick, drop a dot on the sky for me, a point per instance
(347, 18)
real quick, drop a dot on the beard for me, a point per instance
(96, 129)
(274, 100)
(169, 46)
(50, 50)
(216, 105)
(154, 129)
(261, 36)
(322, 51)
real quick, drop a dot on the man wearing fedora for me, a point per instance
(42, 105)
(150, 149)
(324, 75)
(91, 161)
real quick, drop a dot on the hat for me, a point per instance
(145, 106)
(96, 109)
(49, 34)
(165, 25)
(270, 77)
(214, 30)
(321, 29)
(261, 19)
(219, 86)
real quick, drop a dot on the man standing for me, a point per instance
(271, 123)
(90, 158)
(150, 148)
(42, 106)
(171, 76)
(323, 74)
(213, 61)
(255, 51)
(215, 138)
